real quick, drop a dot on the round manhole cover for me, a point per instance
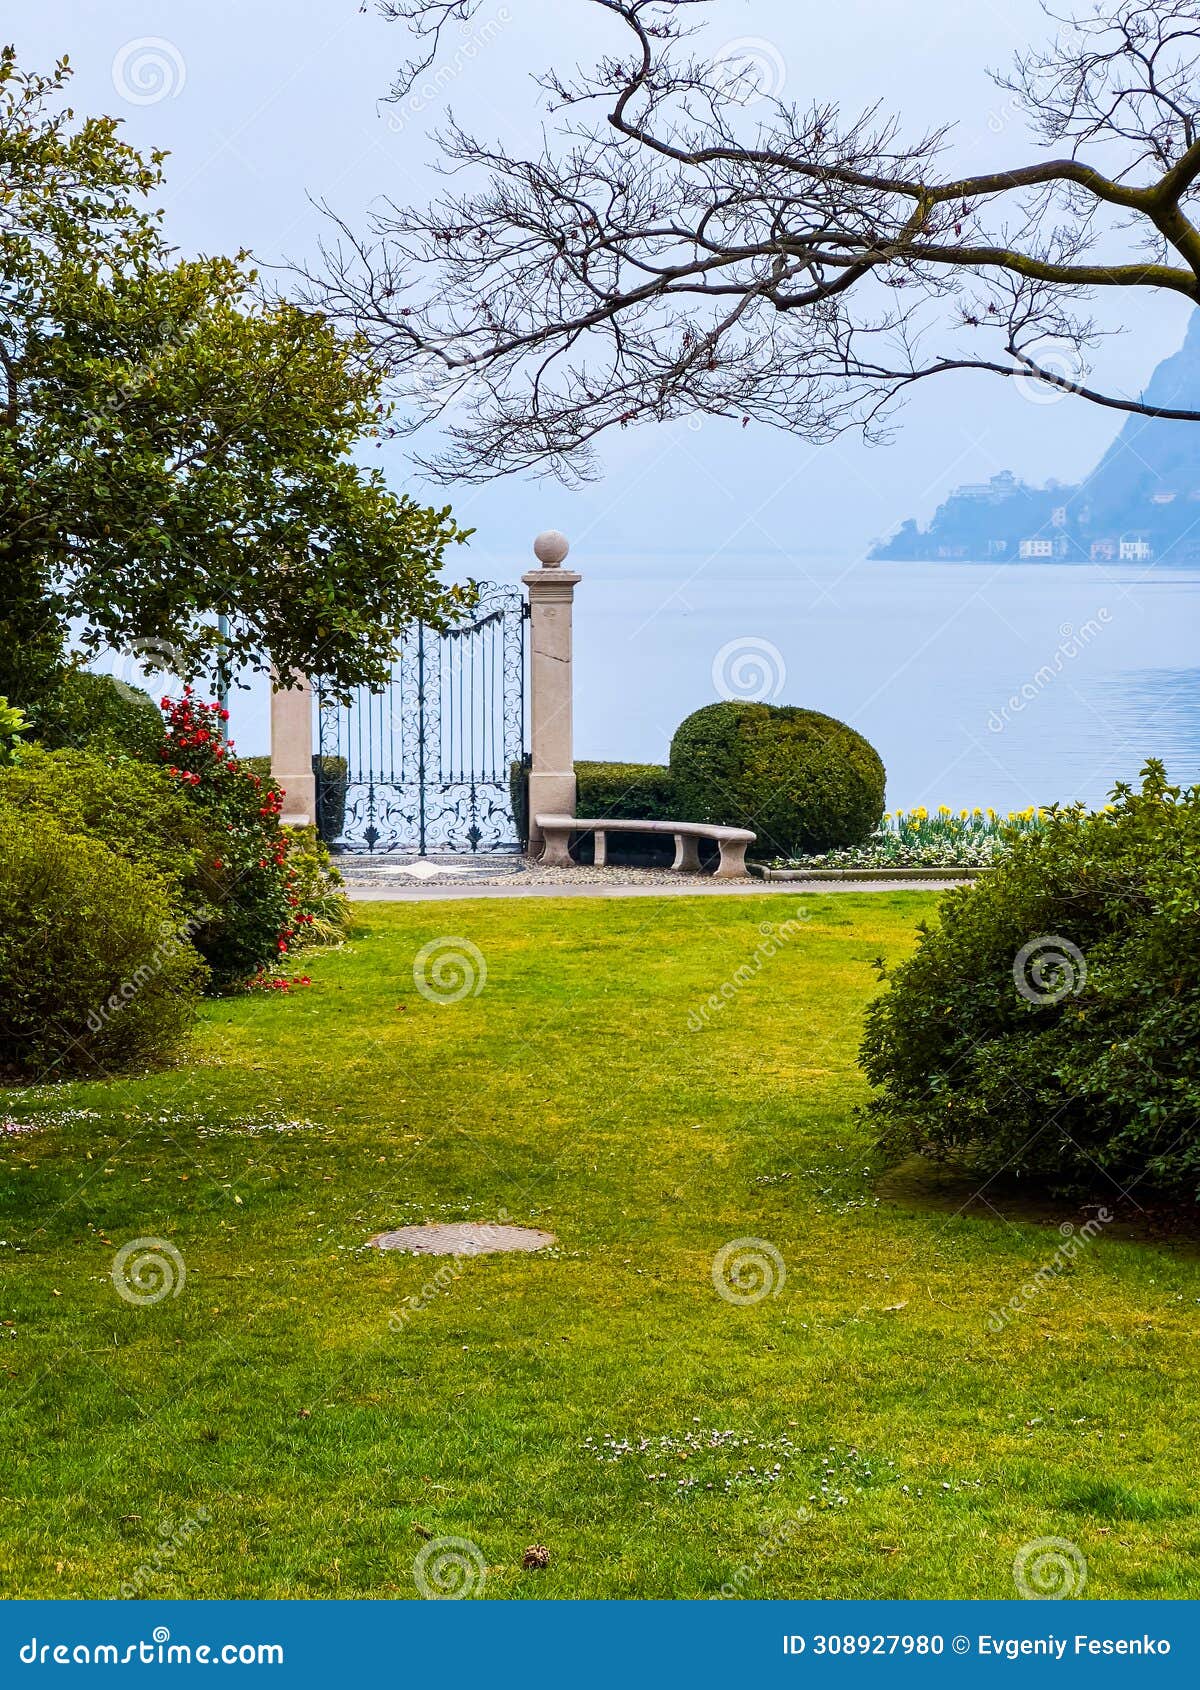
(462, 1238)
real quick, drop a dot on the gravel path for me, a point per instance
(449, 878)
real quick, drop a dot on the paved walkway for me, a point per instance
(446, 879)
(723, 889)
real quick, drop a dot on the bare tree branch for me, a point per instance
(663, 256)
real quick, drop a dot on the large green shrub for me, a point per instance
(96, 972)
(134, 808)
(1048, 1027)
(804, 782)
(100, 714)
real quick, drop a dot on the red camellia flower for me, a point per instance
(260, 912)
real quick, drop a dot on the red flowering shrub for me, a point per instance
(249, 887)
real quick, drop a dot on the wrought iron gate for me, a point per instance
(425, 764)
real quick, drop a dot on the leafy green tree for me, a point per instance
(175, 445)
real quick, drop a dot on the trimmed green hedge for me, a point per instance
(518, 797)
(624, 791)
(804, 782)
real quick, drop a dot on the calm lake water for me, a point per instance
(926, 659)
(980, 683)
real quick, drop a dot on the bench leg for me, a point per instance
(600, 858)
(555, 852)
(687, 854)
(732, 865)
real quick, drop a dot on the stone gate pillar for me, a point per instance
(551, 597)
(292, 751)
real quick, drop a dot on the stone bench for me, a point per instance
(732, 840)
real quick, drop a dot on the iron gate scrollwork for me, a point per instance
(424, 764)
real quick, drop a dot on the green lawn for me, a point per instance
(288, 1425)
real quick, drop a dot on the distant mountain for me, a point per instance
(1141, 502)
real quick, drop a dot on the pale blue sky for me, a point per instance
(272, 101)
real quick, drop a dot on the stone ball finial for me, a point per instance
(551, 548)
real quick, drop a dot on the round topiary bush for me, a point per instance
(96, 971)
(804, 782)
